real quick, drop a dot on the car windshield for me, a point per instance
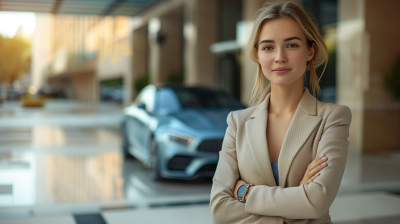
(203, 98)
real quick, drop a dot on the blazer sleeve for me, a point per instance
(224, 208)
(313, 200)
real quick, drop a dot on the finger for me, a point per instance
(313, 178)
(311, 173)
(314, 167)
(316, 162)
(318, 168)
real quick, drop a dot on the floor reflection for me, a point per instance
(57, 136)
(17, 179)
(84, 178)
(96, 177)
(50, 162)
(139, 184)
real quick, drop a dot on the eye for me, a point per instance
(293, 45)
(267, 48)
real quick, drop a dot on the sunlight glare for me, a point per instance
(11, 21)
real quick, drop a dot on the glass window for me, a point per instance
(167, 101)
(203, 98)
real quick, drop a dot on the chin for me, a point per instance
(283, 80)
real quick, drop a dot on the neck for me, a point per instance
(284, 99)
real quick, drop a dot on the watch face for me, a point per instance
(241, 191)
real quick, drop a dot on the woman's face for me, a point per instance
(283, 51)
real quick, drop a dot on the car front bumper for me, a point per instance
(179, 161)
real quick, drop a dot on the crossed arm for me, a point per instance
(310, 175)
(265, 203)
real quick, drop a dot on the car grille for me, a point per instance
(208, 167)
(211, 145)
(179, 162)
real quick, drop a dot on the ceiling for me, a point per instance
(86, 7)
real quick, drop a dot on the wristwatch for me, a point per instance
(242, 191)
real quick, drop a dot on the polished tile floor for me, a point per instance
(64, 160)
(66, 157)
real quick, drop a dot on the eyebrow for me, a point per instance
(287, 39)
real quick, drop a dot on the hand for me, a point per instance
(313, 169)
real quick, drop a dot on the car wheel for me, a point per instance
(154, 161)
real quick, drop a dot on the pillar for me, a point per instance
(200, 31)
(165, 44)
(248, 72)
(381, 129)
(139, 56)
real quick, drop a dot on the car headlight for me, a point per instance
(180, 138)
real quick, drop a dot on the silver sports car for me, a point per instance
(177, 131)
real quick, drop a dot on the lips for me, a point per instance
(281, 70)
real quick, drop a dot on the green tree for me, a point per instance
(141, 82)
(15, 58)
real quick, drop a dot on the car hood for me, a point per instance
(203, 119)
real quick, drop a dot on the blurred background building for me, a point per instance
(108, 50)
(202, 42)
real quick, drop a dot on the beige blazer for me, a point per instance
(316, 128)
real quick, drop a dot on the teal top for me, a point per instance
(274, 166)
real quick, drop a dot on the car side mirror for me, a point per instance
(142, 106)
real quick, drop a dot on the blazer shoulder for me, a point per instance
(243, 115)
(333, 111)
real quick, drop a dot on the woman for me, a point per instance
(273, 163)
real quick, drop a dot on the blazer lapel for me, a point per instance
(256, 136)
(303, 123)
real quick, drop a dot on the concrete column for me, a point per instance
(200, 31)
(128, 74)
(352, 69)
(154, 49)
(84, 86)
(381, 111)
(366, 53)
(352, 54)
(96, 94)
(90, 88)
(81, 88)
(139, 55)
(42, 42)
(165, 42)
(75, 91)
(250, 8)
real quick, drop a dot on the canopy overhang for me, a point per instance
(83, 7)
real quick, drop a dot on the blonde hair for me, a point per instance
(279, 9)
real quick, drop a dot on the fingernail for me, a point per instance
(321, 156)
(316, 174)
(323, 164)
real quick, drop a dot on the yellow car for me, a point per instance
(29, 100)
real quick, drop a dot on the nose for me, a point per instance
(280, 56)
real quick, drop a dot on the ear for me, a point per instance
(311, 51)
